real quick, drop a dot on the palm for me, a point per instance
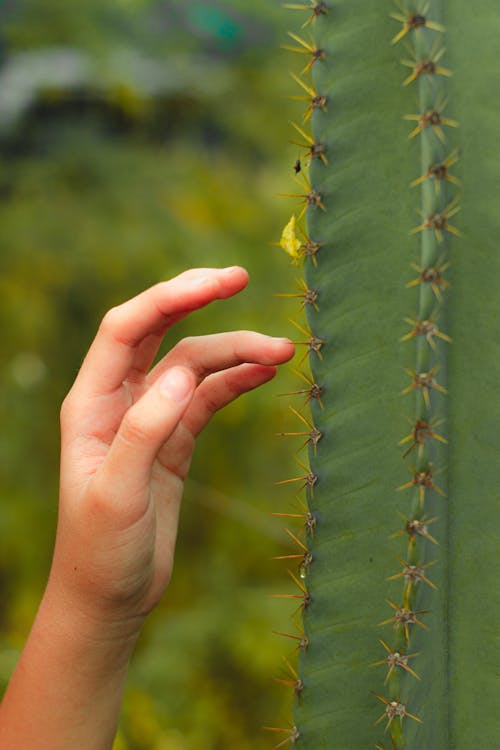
(157, 507)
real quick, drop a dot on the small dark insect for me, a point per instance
(297, 166)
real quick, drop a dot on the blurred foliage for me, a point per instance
(137, 139)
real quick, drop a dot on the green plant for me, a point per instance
(399, 557)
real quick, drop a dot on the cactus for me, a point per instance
(396, 517)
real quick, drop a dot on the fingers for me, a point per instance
(213, 394)
(130, 334)
(175, 397)
(220, 389)
(205, 355)
(215, 391)
(146, 426)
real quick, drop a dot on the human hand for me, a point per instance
(128, 435)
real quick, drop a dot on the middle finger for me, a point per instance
(205, 355)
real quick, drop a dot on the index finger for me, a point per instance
(147, 316)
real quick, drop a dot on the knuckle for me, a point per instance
(111, 320)
(185, 344)
(212, 403)
(66, 412)
(133, 432)
(186, 352)
(102, 506)
(115, 324)
(98, 499)
(233, 388)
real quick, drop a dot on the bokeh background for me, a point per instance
(139, 138)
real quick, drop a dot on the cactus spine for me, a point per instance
(393, 588)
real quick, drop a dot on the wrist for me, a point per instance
(66, 689)
(106, 640)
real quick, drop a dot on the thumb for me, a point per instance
(146, 426)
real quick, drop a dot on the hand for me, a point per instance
(128, 435)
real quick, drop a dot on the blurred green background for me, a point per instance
(137, 139)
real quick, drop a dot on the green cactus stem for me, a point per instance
(396, 225)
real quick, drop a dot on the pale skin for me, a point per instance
(127, 436)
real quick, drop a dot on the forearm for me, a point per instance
(68, 684)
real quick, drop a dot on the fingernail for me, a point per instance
(281, 340)
(176, 384)
(230, 269)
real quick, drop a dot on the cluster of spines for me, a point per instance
(425, 33)
(300, 247)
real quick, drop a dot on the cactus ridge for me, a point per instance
(437, 211)
(299, 245)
